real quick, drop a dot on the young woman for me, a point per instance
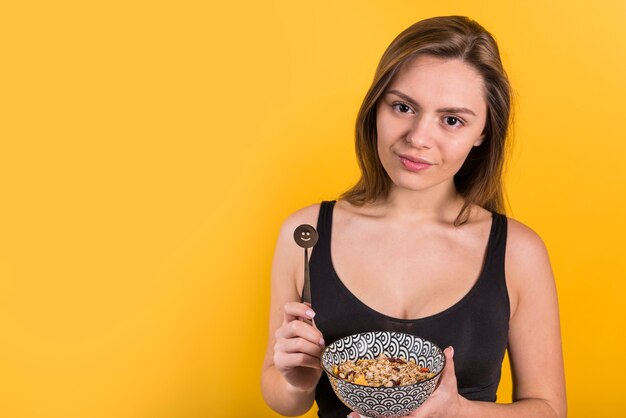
(421, 244)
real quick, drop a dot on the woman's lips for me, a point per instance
(414, 164)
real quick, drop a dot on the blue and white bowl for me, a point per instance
(383, 402)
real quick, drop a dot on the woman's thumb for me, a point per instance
(449, 368)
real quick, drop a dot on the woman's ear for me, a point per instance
(480, 140)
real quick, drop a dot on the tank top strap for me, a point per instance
(325, 221)
(320, 262)
(496, 250)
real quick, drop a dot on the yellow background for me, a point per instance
(150, 151)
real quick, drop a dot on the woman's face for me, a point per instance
(428, 120)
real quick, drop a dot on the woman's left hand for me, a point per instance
(445, 401)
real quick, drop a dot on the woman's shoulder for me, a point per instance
(527, 262)
(310, 214)
(305, 215)
(523, 243)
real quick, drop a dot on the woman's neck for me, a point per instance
(439, 204)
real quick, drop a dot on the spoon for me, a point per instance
(306, 237)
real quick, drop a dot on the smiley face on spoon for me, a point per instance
(305, 236)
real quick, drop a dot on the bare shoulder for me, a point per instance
(307, 215)
(527, 263)
(523, 244)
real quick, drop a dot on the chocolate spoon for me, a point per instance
(306, 237)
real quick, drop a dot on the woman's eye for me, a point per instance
(401, 107)
(452, 121)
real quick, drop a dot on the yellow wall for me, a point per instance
(150, 150)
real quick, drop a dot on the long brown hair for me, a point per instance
(479, 180)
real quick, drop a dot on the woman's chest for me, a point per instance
(408, 275)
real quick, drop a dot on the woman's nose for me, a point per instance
(420, 134)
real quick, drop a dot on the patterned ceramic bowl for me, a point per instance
(383, 402)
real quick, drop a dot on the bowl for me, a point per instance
(383, 402)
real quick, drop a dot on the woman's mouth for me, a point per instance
(414, 164)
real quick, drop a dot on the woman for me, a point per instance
(421, 244)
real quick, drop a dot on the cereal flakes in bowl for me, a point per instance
(383, 374)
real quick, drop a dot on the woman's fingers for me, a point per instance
(448, 376)
(299, 329)
(296, 352)
(299, 345)
(297, 336)
(285, 361)
(297, 310)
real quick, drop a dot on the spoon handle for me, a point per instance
(306, 290)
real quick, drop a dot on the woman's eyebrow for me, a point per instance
(456, 110)
(443, 110)
(403, 96)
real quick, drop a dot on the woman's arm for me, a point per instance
(291, 368)
(534, 342)
(535, 350)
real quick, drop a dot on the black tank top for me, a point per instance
(476, 326)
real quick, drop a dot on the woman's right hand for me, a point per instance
(298, 347)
